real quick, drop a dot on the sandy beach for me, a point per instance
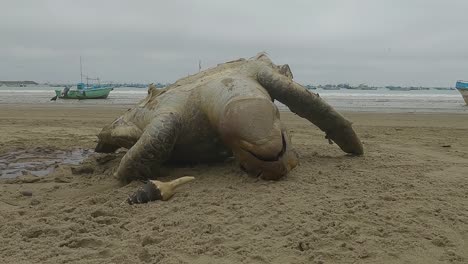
(405, 201)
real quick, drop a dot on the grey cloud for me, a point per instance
(376, 42)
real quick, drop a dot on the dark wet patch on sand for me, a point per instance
(38, 161)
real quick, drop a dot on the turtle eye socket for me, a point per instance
(286, 71)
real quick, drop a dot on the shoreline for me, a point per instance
(430, 101)
(281, 107)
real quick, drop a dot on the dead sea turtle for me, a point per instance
(224, 111)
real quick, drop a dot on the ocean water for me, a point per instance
(43, 94)
(380, 100)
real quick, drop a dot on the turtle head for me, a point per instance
(281, 69)
(251, 127)
(120, 133)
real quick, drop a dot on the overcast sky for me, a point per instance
(377, 42)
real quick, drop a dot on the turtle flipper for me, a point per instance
(121, 133)
(154, 147)
(310, 106)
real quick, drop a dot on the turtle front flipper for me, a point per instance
(120, 133)
(154, 147)
(310, 106)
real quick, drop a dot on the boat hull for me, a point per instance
(462, 87)
(464, 93)
(85, 94)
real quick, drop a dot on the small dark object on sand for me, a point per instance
(26, 193)
(82, 169)
(446, 146)
(157, 190)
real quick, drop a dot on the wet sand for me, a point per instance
(405, 201)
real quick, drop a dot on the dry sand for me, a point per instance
(405, 201)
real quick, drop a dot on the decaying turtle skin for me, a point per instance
(223, 111)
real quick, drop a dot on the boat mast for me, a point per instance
(81, 72)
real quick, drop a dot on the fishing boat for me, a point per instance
(84, 91)
(462, 87)
(330, 87)
(365, 87)
(397, 88)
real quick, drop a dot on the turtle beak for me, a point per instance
(269, 166)
(257, 138)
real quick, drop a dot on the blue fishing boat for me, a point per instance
(84, 91)
(462, 87)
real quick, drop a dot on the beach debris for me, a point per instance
(447, 146)
(26, 193)
(157, 190)
(222, 112)
(62, 179)
(9, 203)
(28, 179)
(34, 202)
(303, 246)
(103, 159)
(82, 169)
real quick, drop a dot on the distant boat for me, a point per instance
(310, 87)
(418, 88)
(441, 88)
(365, 87)
(330, 87)
(368, 88)
(84, 91)
(397, 88)
(462, 87)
